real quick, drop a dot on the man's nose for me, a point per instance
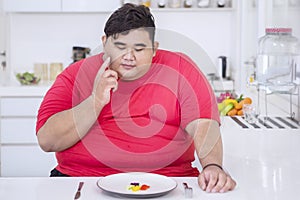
(129, 55)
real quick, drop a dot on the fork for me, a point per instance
(188, 191)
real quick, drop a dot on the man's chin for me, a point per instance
(128, 76)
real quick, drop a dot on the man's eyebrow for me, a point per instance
(119, 43)
(140, 45)
(136, 45)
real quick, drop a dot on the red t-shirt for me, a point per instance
(142, 127)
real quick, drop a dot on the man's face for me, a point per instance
(131, 54)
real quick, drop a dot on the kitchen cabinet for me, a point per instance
(25, 161)
(26, 106)
(60, 5)
(212, 6)
(89, 6)
(18, 130)
(19, 150)
(94, 6)
(31, 5)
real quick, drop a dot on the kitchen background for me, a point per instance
(44, 31)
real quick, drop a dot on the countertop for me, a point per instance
(23, 91)
(65, 188)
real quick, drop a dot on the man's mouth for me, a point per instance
(127, 67)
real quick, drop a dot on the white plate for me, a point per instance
(117, 184)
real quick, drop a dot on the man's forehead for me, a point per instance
(132, 36)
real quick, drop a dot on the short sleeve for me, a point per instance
(196, 97)
(58, 97)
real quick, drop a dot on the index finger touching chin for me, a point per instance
(105, 64)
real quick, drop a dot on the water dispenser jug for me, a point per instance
(276, 60)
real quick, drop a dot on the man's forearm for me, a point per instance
(207, 140)
(215, 156)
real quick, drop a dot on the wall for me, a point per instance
(1, 26)
(215, 32)
(2, 43)
(49, 37)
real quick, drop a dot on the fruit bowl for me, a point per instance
(27, 78)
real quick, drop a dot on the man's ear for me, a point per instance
(155, 47)
(103, 38)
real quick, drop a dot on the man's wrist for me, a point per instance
(212, 164)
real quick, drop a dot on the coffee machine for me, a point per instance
(80, 53)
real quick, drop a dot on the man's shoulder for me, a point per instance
(178, 61)
(169, 56)
(173, 59)
(166, 54)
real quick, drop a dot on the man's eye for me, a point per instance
(121, 47)
(139, 49)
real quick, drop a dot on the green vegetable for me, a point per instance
(227, 109)
(240, 98)
(27, 78)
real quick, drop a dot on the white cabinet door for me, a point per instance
(18, 131)
(26, 161)
(90, 5)
(32, 5)
(12, 107)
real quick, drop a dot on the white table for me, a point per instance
(256, 180)
(265, 163)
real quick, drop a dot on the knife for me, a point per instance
(77, 195)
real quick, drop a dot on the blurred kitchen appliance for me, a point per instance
(137, 2)
(174, 3)
(250, 70)
(188, 3)
(55, 70)
(275, 62)
(221, 3)
(276, 65)
(146, 3)
(41, 71)
(3, 70)
(223, 67)
(203, 3)
(161, 3)
(224, 3)
(80, 53)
